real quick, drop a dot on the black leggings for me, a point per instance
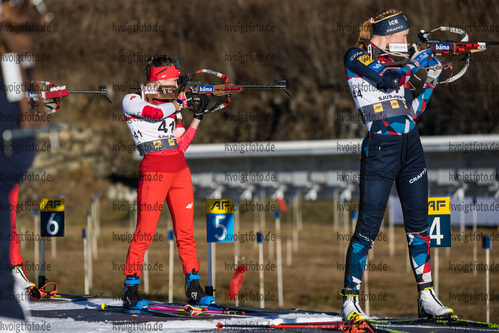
(12, 166)
(387, 159)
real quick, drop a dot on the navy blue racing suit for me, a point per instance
(15, 159)
(391, 152)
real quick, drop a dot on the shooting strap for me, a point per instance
(224, 103)
(218, 74)
(220, 105)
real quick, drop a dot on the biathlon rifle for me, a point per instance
(51, 94)
(450, 52)
(223, 90)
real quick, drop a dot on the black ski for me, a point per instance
(238, 310)
(144, 311)
(454, 322)
(68, 298)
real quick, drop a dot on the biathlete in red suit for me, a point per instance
(156, 127)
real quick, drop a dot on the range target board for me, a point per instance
(439, 221)
(219, 220)
(52, 217)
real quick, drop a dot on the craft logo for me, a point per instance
(418, 177)
(442, 47)
(356, 55)
(205, 89)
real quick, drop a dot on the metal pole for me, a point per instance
(41, 278)
(259, 237)
(280, 293)
(475, 250)
(170, 271)
(36, 221)
(85, 262)
(236, 230)
(89, 248)
(486, 244)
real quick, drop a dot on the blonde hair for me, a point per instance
(365, 29)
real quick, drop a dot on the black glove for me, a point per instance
(201, 110)
(182, 82)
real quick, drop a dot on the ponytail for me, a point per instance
(365, 33)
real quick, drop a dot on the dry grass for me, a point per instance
(312, 282)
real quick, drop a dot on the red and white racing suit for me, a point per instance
(164, 175)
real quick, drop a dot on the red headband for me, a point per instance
(165, 72)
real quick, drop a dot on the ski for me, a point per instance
(64, 297)
(234, 310)
(194, 310)
(172, 311)
(79, 295)
(144, 311)
(342, 326)
(454, 322)
(249, 310)
(67, 298)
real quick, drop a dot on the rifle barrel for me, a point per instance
(100, 92)
(263, 86)
(276, 86)
(490, 42)
(86, 92)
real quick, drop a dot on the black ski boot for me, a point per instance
(193, 291)
(131, 297)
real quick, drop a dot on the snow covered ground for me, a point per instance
(41, 324)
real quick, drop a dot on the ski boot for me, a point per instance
(131, 297)
(24, 284)
(193, 291)
(429, 306)
(350, 308)
(20, 278)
